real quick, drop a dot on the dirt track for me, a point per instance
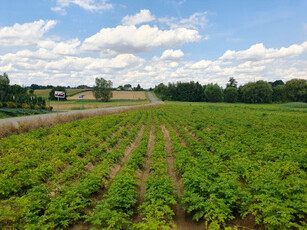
(16, 125)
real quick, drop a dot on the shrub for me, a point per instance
(37, 107)
(48, 108)
(19, 105)
(4, 104)
(12, 105)
(25, 106)
(1, 105)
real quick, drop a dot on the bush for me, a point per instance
(4, 104)
(37, 107)
(48, 108)
(1, 105)
(19, 105)
(12, 105)
(25, 106)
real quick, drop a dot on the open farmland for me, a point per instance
(117, 95)
(179, 165)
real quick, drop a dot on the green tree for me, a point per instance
(213, 93)
(103, 89)
(296, 90)
(279, 94)
(4, 80)
(257, 92)
(231, 94)
(58, 88)
(232, 82)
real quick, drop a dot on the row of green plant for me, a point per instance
(117, 206)
(156, 210)
(255, 166)
(60, 167)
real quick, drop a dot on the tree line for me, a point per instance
(252, 92)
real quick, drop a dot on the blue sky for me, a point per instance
(71, 42)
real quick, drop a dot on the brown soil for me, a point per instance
(80, 225)
(182, 220)
(248, 223)
(145, 172)
(117, 95)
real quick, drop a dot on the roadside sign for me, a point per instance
(59, 94)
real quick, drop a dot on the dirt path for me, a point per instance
(80, 225)
(145, 173)
(182, 220)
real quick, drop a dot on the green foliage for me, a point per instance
(231, 94)
(257, 92)
(214, 93)
(296, 90)
(103, 89)
(279, 93)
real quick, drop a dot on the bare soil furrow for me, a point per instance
(182, 220)
(145, 172)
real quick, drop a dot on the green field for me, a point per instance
(179, 165)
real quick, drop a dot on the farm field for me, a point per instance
(45, 92)
(93, 104)
(176, 166)
(117, 95)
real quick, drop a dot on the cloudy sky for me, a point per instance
(71, 42)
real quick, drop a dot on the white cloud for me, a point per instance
(172, 54)
(132, 39)
(27, 34)
(60, 62)
(259, 52)
(67, 47)
(90, 5)
(195, 21)
(141, 17)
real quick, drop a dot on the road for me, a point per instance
(33, 118)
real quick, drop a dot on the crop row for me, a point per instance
(58, 199)
(224, 177)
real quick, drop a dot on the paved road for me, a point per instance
(14, 120)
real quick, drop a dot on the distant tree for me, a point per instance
(257, 92)
(127, 87)
(138, 88)
(296, 90)
(279, 94)
(58, 88)
(31, 91)
(4, 80)
(213, 93)
(4, 86)
(231, 94)
(120, 87)
(276, 83)
(232, 83)
(103, 89)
